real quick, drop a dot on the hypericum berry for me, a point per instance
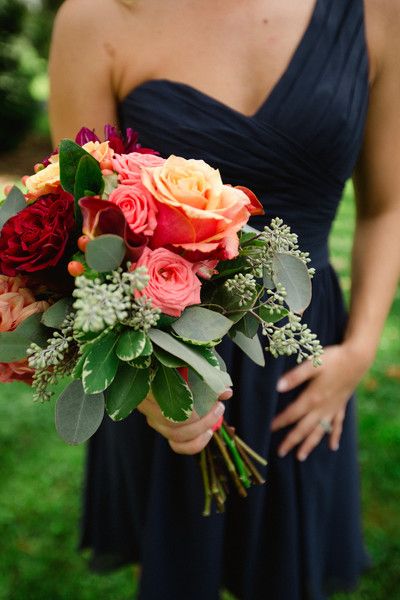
(83, 242)
(38, 167)
(7, 189)
(75, 268)
(24, 178)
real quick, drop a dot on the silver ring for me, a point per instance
(326, 425)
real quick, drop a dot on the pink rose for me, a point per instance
(129, 166)
(173, 283)
(138, 206)
(17, 303)
(196, 211)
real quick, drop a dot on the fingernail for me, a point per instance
(220, 409)
(282, 453)
(282, 385)
(335, 448)
(302, 457)
(208, 434)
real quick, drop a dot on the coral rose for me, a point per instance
(138, 206)
(35, 238)
(17, 303)
(173, 283)
(129, 166)
(102, 152)
(196, 211)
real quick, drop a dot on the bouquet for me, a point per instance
(121, 271)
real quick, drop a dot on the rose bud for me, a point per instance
(75, 268)
(83, 242)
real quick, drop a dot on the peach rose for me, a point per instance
(46, 181)
(173, 283)
(138, 206)
(197, 212)
(129, 166)
(17, 303)
(102, 152)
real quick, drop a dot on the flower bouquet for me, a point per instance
(121, 271)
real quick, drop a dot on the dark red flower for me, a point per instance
(35, 238)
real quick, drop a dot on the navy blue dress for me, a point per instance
(298, 537)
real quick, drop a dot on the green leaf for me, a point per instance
(78, 368)
(200, 324)
(14, 344)
(267, 280)
(78, 416)
(252, 347)
(127, 391)
(272, 317)
(101, 364)
(167, 359)
(292, 273)
(148, 347)
(12, 205)
(88, 178)
(70, 155)
(204, 397)
(172, 394)
(210, 355)
(165, 321)
(141, 362)
(131, 344)
(248, 325)
(105, 253)
(216, 379)
(55, 315)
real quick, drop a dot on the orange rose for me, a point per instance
(196, 211)
(102, 152)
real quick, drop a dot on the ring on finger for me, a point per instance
(326, 425)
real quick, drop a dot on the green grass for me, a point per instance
(41, 482)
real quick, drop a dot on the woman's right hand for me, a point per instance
(189, 437)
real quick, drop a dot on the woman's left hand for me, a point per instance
(322, 402)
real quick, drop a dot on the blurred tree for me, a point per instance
(40, 23)
(18, 109)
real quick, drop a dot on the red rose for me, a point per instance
(36, 237)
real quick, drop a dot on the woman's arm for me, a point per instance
(375, 258)
(81, 69)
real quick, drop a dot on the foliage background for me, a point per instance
(41, 478)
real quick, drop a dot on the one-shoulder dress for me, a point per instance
(298, 537)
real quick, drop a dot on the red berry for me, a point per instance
(38, 167)
(75, 268)
(24, 178)
(83, 242)
(7, 189)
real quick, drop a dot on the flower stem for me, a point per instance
(229, 441)
(206, 482)
(249, 450)
(231, 467)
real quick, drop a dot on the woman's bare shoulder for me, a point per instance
(383, 32)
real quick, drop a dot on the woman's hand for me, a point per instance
(189, 437)
(322, 402)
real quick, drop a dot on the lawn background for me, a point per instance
(40, 481)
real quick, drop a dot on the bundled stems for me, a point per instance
(227, 456)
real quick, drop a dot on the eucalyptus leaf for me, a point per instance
(201, 325)
(78, 415)
(252, 347)
(70, 155)
(172, 394)
(216, 379)
(14, 344)
(167, 359)
(55, 315)
(131, 344)
(12, 205)
(105, 253)
(292, 273)
(204, 397)
(276, 315)
(101, 364)
(267, 280)
(248, 325)
(127, 391)
(88, 178)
